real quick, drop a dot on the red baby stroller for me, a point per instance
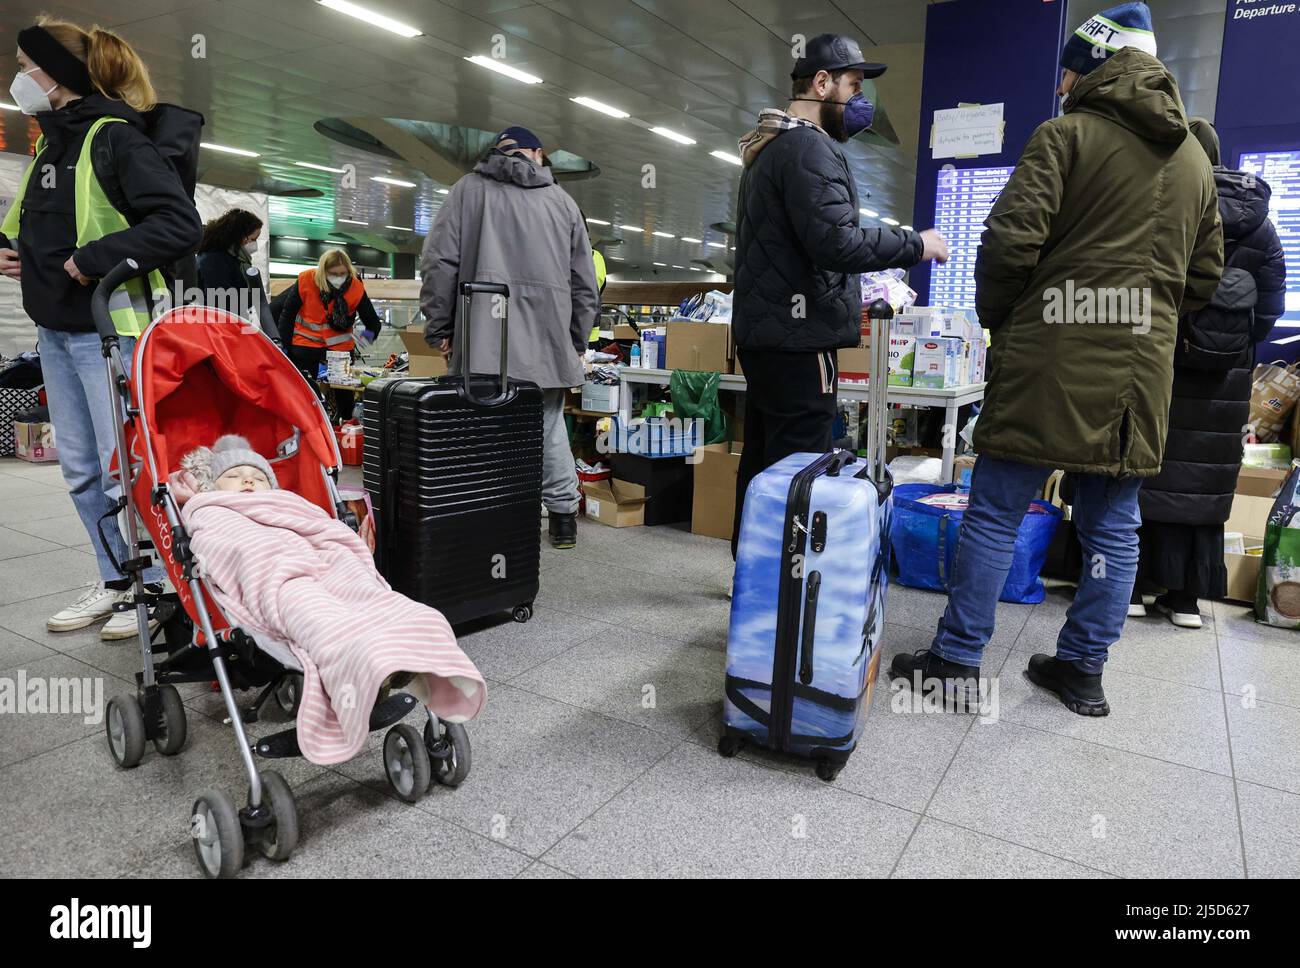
(199, 372)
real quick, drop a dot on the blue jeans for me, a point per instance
(76, 383)
(1106, 517)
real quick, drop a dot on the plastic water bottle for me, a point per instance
(636, 354)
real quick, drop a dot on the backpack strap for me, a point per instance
(104, 162)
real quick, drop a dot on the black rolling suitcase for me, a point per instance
(453, 465)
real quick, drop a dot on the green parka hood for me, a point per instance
(1136, 91)
(1107, 230)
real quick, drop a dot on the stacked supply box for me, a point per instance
(950, 349)
(938, 362)
(902, 360)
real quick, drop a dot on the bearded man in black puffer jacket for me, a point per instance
(799, 254)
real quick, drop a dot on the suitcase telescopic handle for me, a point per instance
(880, 313)
(468, 290)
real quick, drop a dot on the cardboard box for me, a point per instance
(652, 349)
(1260, 481)
(665, 483)
(954, 325)
(854, 363)
(733, 405)
(1243, 573)
(979, 349)
(615, 503)
(713, 509)
(962, 468)
(600, 397)
(902, 358)
(698, 346)
(425, 360)
(938, 360)
(34, 442)
(1249, 515)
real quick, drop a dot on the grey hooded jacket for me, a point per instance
(507, 221)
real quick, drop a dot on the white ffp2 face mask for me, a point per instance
(27, 94)
(337, 281)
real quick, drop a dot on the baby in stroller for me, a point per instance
(283, 569)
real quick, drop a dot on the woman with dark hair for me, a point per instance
(1184, 508)
(227, 276)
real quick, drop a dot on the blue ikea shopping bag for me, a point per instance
(924, 538)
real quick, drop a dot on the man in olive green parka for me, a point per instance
(1107, 230)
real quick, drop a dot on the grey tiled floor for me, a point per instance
(594, 756)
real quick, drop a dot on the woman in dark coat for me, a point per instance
(227, 276)
(1184, 508)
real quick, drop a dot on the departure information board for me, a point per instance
(962, 202)
(1281, 169)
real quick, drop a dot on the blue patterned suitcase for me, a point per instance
(808, 599)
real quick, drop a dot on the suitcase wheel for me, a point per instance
(729, 746)
(522, 613)
(828, 771)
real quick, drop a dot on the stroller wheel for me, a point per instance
(218, 837)
(124, 724)
(174, 728)
(406, 762)
(279, 839)
(289, 694)
(448, 752)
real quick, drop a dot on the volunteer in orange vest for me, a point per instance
(319, 313)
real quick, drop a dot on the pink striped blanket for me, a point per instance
(280, 566)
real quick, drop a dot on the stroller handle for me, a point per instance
(120, 273)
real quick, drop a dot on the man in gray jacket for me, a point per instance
(507, 221)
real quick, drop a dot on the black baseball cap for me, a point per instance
(833, 52)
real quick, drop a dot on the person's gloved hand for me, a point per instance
(369, 335)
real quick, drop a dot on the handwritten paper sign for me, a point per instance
(967, 132)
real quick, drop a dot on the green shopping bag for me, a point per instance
(695, 396)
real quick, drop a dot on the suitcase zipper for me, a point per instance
(784, 655)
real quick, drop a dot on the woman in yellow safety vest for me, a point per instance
(319, 314)
(87, 91)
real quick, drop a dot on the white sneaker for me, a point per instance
(123, 625)
(95, 604)
(1137, 611)
(1184, 620)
